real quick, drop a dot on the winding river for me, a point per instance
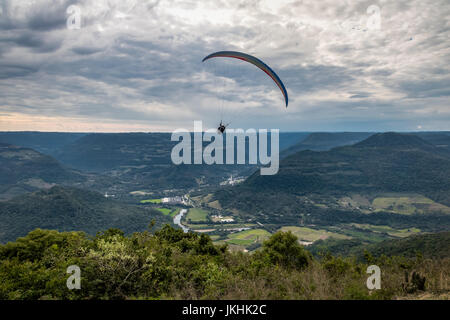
(177, 220)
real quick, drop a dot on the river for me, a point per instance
(177, 220)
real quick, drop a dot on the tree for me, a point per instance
(283, 248)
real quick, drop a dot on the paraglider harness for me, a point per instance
(222, 127)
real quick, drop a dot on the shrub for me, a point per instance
(283, 248)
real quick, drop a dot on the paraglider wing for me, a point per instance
(255, 61)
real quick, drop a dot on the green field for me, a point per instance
(197, 215)
(241, 242)
(151, 201)
(175, 212)
(400, 233)
(215, 205)
(408, 205)
(164, 211)
(363, 234)
(199, 226)
(247, 237)
(399, 203)
(169, 211)
(311, 235)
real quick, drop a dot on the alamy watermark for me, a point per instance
(374, 281)
(73, 21)
(374, 20)
(74, 281)
(190, 149)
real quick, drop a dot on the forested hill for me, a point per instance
(403, 141)
(67, 209)
(383, 163)
(322, 141)
(429, 245)
(23, 169)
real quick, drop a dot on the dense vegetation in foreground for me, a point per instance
(170, 264)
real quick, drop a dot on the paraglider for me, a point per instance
(222, 127)
(256, 62)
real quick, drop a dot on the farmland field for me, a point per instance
(408, 205)
(362, 234)
(248, 237)
(164, 211)
(400, 233)
(308, 234)
(197, 215)
(151, 201)
(215, 205)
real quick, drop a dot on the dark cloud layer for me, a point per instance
(138, 64)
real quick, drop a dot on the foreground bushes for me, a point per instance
(173, 265)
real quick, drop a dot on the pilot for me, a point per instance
(221, 128)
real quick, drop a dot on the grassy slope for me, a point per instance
(248, 237)
(308, 234)
(197, 215)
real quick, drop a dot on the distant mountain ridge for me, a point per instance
(105, 151)
(144, 160)
(23, 169)
(141, 161)
(48, 143)
(323, 141)
(439, 139)
(395, 140)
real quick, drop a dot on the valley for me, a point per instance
(331, 186)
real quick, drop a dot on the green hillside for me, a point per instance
(434, 245)
(23, 170)
(388, 162)
(143, 160)
(395, 180)
(67, 209)
(384, 163)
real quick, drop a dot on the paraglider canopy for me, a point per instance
(255, 61)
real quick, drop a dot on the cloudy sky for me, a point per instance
(135, 65)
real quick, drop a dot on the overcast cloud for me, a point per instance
(135, 65)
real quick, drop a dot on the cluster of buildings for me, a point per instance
(175, 200)
(231, 181)
(219, 218)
